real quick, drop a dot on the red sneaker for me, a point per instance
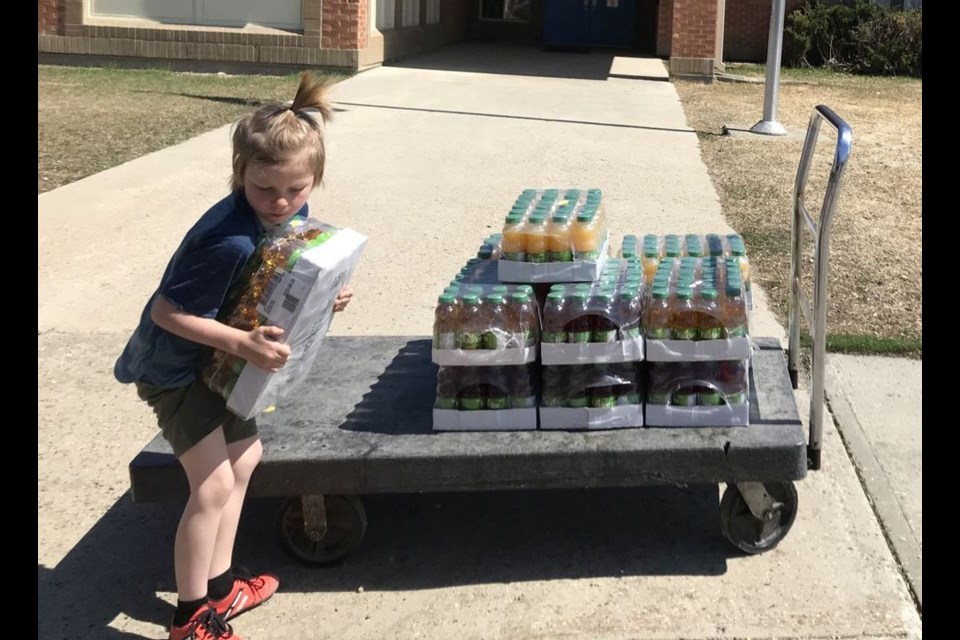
(205, 624)
(248, 591)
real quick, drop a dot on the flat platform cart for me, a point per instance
(362, 424)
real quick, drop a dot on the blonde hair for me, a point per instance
(275, 133)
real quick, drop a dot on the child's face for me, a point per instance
(277, 191)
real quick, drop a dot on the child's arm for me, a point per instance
(259, 346)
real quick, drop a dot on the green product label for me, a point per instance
(658, 333)
(603, 402)
(552, 401)
(469, 341)
(523, 402)
(739, 397)
(736, 332)
(471, 404)
(630, 333)
(628, 399)
(711, 333)
(489, 340)
(711, 398)
(580, 337)
(658, 397)
(515, 256)
(577, 402)
(554, 337)
(446, 403)
(591, 256)
(684, 398)
(604, 336)
(561, 256)
(538, 258)
(497, 403)
(684, 334)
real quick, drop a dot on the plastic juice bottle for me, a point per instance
(586, 237)
(514, 239)
(627, 313)
(559, 243)
(445, 321)
(708, 392)
(694, 247)
(738, 251)
(448, 386)
(471, 329)
(671, 247)
(658, 391)
(651, 261)
(496, 380)
(684, 386)
(523, 320)
(494, 335)
(602, 395)
(471, 394)
(537, 250)
(657, 317)
(734, 312)
(711, 321)
(521, 388)
(577, 395)
(552, 395)
(683, 319)
(603, 329)
(579, 329)
(714, 245)
(733, 382)
(554, 318)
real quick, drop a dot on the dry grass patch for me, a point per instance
(876, 273)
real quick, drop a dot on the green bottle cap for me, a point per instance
(471, 299)
(494, 298)
(708, 294)
(684, 293)
(660, 293)
(447, 299)
(555, 296)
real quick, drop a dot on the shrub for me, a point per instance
(854, 35)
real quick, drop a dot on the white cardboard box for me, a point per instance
(576, 271)
(483, 357)
(490, 420)
(697, 350)
(587, 353)
(300, 303)
(735, 415)
(622, 417)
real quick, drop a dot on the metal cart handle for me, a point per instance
(820, 230)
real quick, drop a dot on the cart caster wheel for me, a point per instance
(749, 532)
(328, 541)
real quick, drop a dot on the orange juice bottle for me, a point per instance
(536, 236)
(514, 239)
(558, 241)
(586, 237)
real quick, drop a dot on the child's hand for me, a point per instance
(343, 299)
(260, 347)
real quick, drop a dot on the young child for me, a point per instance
(278, 158)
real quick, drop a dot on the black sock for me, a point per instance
(185, 609)
(219, 588)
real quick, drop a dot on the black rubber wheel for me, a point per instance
(755, 535)
(346, 525)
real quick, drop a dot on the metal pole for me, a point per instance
(769, 125)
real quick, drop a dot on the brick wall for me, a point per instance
(694, 28)
(747, 28)
(664, 27)
(50, 16)
(344, 24)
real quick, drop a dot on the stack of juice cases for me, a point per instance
(696, 325)
(591, 350)
(653, 249)
(485, 338)
(554, 235)
(490, 249)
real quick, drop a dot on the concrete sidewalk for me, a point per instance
(423, 158)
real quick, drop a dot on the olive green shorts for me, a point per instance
(189, 414)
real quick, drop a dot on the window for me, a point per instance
(411, 13)
(386, 14)
(433, 11)
(509, 10)
(232, 13)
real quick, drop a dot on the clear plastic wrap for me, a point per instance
(290, 282)
(486, 398)
(594, 396)
(698, 394)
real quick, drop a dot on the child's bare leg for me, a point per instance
(208, 469)
(244, 456)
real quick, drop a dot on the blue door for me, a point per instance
(613, 23)
(566, 23)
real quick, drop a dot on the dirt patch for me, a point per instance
(876, 250)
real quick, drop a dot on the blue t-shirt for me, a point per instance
(207, 263)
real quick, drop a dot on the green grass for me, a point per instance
(870, 346)
(92, 119)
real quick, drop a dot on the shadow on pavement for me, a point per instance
(413, 542)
